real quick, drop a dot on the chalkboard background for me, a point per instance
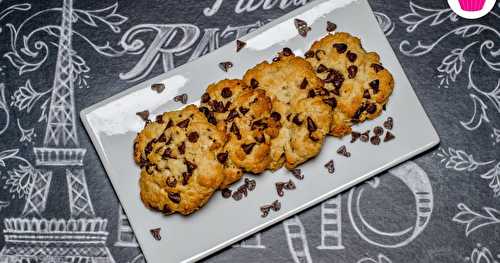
(453, 64)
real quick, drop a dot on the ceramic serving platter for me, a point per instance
(112, 125)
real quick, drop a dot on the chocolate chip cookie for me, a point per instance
(178, 155)
(298, 105)
(354, 78)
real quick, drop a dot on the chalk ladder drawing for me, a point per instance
(297, 240)
(254, 241)
(126, 237)
(331, 224)
(82, 237)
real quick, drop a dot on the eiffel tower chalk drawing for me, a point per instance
(36, 235)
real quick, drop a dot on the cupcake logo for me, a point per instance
(471, 9)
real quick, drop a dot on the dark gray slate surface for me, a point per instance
(453, 64)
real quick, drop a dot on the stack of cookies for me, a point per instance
(277, 115)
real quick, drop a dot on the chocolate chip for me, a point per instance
(330, 166)
(288, 116)
(222, 157)
(351, 56)
(247, 148)
(204, 110)
(149, 147)
(193, 137)
(260, 138)
(276, 205)
(183, 124)
(302, 27)
(181, 98)
(352, 71)
(311, 93)
(254, 83)
(226, 92)
(365, 136)
(143, 114)
(374, 84)
(182, 148)
(232, 114)
(343, 151)
(237, 195)
(298, 174)
(225, 66)
(388, 136)
(275, 116)
(226, 107)
(366, 94)
(174, 197)
(287, 52)
(166, 210)
(190, 167)
(251, 184)
(338, 79)
(276, 59)
(171, 181)
(205, 98)
(375, 140)
(235, 130)
(378, 130)
(159, 119)
(226, 192)
(155, 232)
(389, 123)
(311, 126)
(279, 188)
(243, 189)
(265, 210)
(167, 154)
(355, 136)
(296, 120)
(185, 178)
(211, 119)
(319, 51)
(304, 83)
(358, 112)
(330, 26)
(239, 45)
(321, 68)
(377, 67)
(258, 124)
(340, 47)
(309, 54)
(290, 185)
(158, 87)
(243, 110)
(217, 106)
(331, 101)
(371, 108)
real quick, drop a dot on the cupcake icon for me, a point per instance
(471, 5)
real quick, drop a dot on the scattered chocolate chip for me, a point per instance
(389, 123)
(378, 130)
(260, 138)
(235, 130)
(375, 140)
(343, 151)
(297, 173)
(371, 108)
(243, 110)
(225, 66)
(279, 188)
(377, 67)
(182, 148)
(183, 124)
(239, 45)
(276, 205)
(247, 148)
(226, 92)
(330, 166)
(143, 114)
(193, 137)
(340, 47)
(290, 185)
(351, 56)
(287, 52)
(174, 197)
(309, 54)
(158, 87)
(205, 98)
(167, 154)
(352, 71)
(265, 210)
(181, 98)
(155, 232)
(330, 26)
(304, 83)
(250, 184)
(365, 136)
(276, 59)
(311, 126)
(319, 51)
(237, 195)
(366, 94)
(374, 84)
(222, 157)
(243, 189)
(321, 68)
(275, 116)
(331, 101)
(388, 136)
(302, 27)
(254, 83)
(190, 166)
(355, 136)
(226, 192)
(171, 181)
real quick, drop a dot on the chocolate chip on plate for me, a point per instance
(297, 173)
(158, 87)
(226, 65)
(375, 140)
(276, 205)
(239, 45)
(243, 189)
(302, 27)
(237, 195)
(143, 114)
(265, 210)
(378, 130)
(389, 123)
(226, 192)
(330, 166)
(287, 52)
(279, 188)
(330, 26)
(389, 136)
(182, 98)
(290, 185)
(155, 232)
(343, 151)
(365, 136)
(355, 136)
(251, 184)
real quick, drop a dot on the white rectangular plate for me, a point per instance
(112, 125)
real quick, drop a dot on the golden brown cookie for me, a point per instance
(298, 105)
(355, 79)
(243, 114)
(178, 158)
